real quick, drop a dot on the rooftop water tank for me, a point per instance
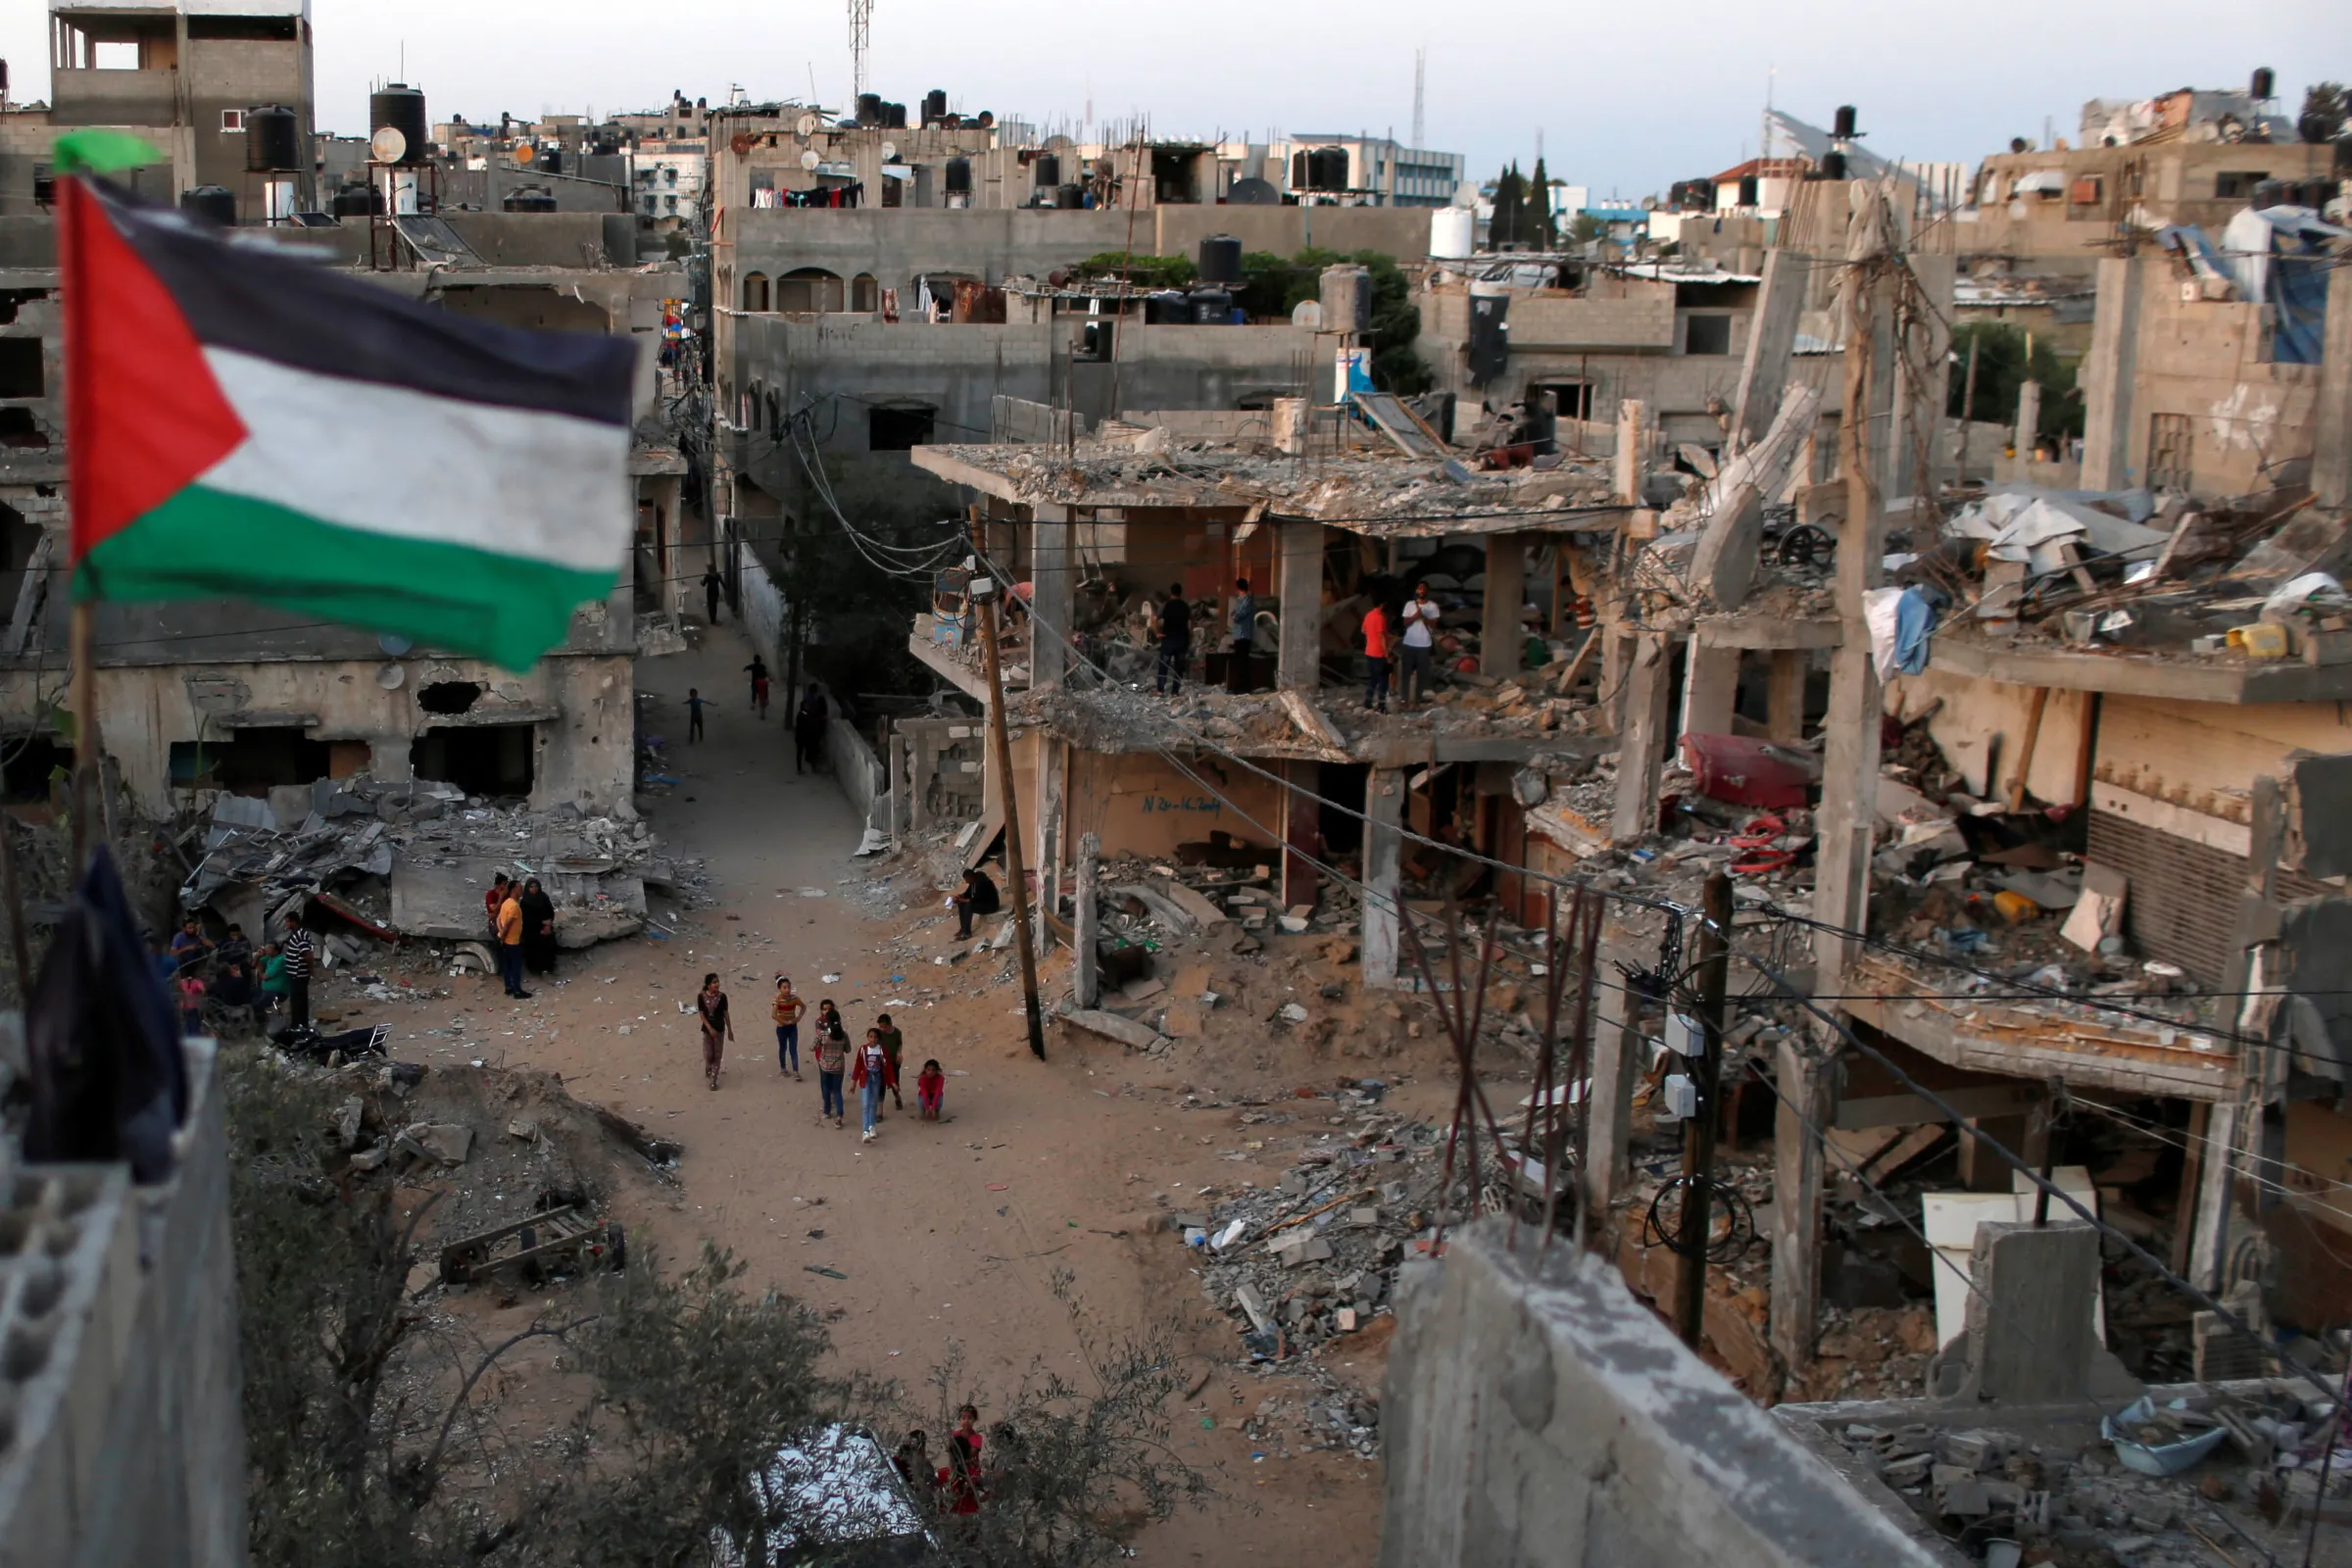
(213, 203)
(1453, 232)
(1220, 258)
(960, 176)
(273, 140)
(402, 107)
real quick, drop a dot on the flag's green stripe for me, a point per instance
(207, 544)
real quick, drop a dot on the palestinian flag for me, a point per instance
(246, 424)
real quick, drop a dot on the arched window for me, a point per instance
(865, 295)
(754, 291)
(809, 290)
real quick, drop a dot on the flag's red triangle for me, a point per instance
(144, 416)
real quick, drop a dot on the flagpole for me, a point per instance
(84, 654)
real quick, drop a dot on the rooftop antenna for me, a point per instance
(861, 27)
(1420, 76)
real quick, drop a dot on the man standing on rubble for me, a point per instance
(509, 943)
(1241, 627)
(1420, 619)
(1175, 642)
(296, 951)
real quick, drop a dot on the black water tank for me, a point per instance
(216, 203)
(273, 140)
(1070, 197)
(1842, 126)
(402, 107)
(2265, 84)
(935, 105)
(894, 116)
(356, 201)
(550, 160)
(1832, 166)
(960, 176)
(1167, 308)
(1047, 170)
(1211, 307)
(1220, 260)
(869, 109)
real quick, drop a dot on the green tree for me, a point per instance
(2325, 108)
(1508, 225)
(1546, 234)
(1145, 272)
(2003, 369)
(1274, 286)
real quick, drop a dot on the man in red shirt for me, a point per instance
(1376, 658)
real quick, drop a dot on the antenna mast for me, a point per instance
(1420, 64)
(861, 27)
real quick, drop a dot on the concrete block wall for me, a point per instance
(1537, 1416)
(123, 1440)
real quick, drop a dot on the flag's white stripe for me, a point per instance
(361, 455)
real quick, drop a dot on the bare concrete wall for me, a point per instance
(1538, 1415)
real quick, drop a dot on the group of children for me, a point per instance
(232, 971)
(961, 1483)
(873, 1066)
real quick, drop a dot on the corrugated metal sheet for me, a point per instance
(2183, 900)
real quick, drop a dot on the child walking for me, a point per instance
(893, 1044)
(872, 1070)
(832, 1059)
(191, 1002)
(717, 1027)
(930, 1090)
(786, 1009)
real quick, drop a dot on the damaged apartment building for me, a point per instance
(215, 699)
(2035, 787)
(877, 286)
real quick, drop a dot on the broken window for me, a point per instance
(479, 759)
(247, 30)
(449, 696)
(249, 762)
(898, 429)
(13, 300)
(17, 429)
(20, 368)
(1570, 400)
(2238, 184)
(1708, 334)
(19, 539)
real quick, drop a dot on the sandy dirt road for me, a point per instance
(950, 1232)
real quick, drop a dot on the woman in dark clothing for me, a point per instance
(538, 928)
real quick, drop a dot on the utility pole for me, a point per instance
(1698, 1133)
(986, 596)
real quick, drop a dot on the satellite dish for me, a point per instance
(525, 154)
(1465, 195)
(889, 150)
(1307, 314)
(809, 160)
(393, 642)
(391, 677)
(806, 125)
(387, 145)
(1253, 193)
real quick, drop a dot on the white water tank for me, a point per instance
(1453, 232)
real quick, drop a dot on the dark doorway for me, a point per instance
(899, 430)
(479, 759)
(1342, 786)
(249, 762)
(27, 763)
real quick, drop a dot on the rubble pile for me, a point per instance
(1315, 1257)
(1338, 726)
(413, 859)
(2175, 1478)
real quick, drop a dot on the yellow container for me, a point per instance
(2260, 640)
(2015, 907)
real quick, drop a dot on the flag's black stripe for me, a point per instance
(311, 317)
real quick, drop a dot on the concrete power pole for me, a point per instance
(987, 595)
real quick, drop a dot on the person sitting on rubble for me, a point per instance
(979, 897)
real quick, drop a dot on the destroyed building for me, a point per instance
(214, 700)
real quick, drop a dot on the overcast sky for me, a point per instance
(1627, 97)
